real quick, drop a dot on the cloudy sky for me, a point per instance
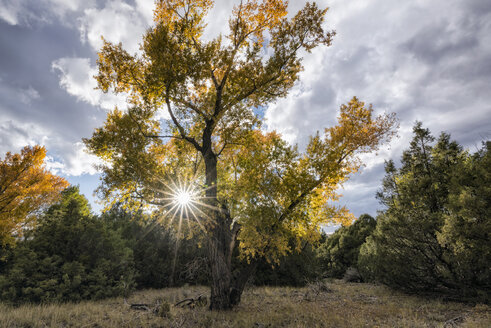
(425, 60)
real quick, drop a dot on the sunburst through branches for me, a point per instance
(183, 200)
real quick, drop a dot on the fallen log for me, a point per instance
(200, 300)
(138, 306)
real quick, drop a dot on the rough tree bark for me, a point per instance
(226, 290)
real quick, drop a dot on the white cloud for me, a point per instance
(71, 157)
(116, 22)
(70, 5)
(412, 58)
(16, 135)
(218, 19)
(145, 8)
(77, 78)
(75, 161)
(368, 59)
(11, 94)
(9, 11)
(79, 161)
(28, 95)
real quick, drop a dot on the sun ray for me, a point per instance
(174, 261)
(172, 208)
(198, 221)
(202, 212)
(187, 217)
(207, 205)
(182, 198)
(150, 227)
(174, 215)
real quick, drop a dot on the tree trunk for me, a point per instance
(220, 268)
(225, 291)
(239, 283)
(221, 275)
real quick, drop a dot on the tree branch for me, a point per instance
(191, 140)
(297, 201)
(214, 78)
(191, 106)
(150, 135)
(221, 150)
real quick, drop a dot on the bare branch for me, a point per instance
(192, 106)
(191, 140)
(221, 150)
(214, 78)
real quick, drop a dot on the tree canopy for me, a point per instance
(249, 184)
(26, 187)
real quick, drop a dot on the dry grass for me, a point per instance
(335, 304)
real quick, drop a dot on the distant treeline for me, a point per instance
(433, 236)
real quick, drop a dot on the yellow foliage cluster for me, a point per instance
(25, 188)
(287, 195)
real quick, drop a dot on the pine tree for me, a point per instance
(466, 232)
(404, 251)
(433, 235)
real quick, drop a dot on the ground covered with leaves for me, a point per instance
(326, 304)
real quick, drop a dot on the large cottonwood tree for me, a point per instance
(254, 187)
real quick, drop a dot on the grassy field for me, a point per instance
(334, 304)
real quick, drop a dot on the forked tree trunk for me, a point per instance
(226, 285)
(226, 290)
(239, 282)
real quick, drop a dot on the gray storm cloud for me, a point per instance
(424, 60)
